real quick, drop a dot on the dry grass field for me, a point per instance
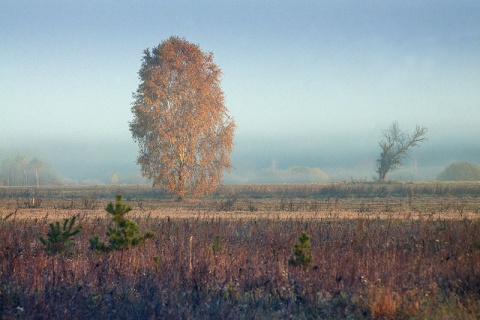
(390, 251)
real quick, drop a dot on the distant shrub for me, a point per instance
(460, 171)
(297, 174)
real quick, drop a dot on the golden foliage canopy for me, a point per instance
(181, 123)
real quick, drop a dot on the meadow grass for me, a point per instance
(408, 262)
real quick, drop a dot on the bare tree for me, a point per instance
(395, 146)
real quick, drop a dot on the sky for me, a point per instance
(309, 83)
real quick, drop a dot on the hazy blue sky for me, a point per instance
(308, 82)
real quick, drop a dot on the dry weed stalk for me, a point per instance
(384, 303)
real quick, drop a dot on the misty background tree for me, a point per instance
(395, 147)
(460, 171)
(20, 171)
(181, 123)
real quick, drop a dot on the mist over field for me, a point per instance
(254, 160)
(311, 85)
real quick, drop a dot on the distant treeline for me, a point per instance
(22, 171)
(357, 190)
(315, 191)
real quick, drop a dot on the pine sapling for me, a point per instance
(123, 234)
(302, 255)
(59, 239)
(217, 245)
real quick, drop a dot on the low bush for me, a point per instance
(460, 171)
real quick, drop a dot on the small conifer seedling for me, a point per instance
(124, 234)
(301, 254)
(217, 245)
(59, 239)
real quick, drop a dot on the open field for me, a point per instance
(319, 191)
(412, 255)
(428, 198)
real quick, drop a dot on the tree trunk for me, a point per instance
(181, 184)
(382, 176)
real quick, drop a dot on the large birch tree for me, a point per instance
(181, 123)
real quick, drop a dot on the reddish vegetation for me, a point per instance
(361, 268)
